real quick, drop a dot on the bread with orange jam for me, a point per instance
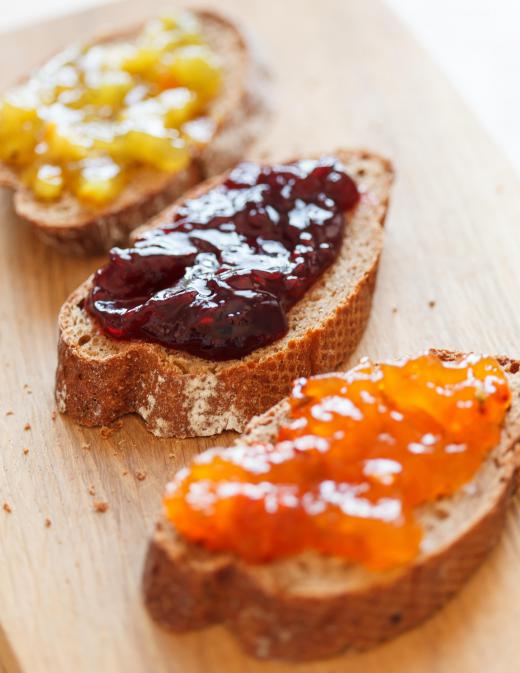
(310, 605)
(178, 394)
(90, 225)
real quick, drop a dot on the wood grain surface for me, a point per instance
(347, 73)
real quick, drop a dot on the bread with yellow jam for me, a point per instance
(105, 135)
(346, 514)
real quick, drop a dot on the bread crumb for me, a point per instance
(92, 489)
(108, 430)
(48, 522)
(124, 473)
(171, 455)
(25, 451)
(140, 476)
(85, 447)
(432, 303)
(27, 426)
(394, 310)
(53, 415)
(100, 506)
(27, 388)
(9, 413)
(7, 507)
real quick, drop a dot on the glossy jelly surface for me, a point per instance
(92, 116)
(358, 452)
(218, 279)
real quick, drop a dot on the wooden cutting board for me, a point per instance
(347, 73)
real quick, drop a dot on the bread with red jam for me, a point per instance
(312, 606)
(176, 393)
(240, 110)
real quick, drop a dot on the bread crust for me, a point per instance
(241, 111)
(311, 607)
(99, 379)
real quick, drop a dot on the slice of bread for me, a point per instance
(240, 110)
(177, 394)
(313, 606)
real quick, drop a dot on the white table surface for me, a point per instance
(475, 42)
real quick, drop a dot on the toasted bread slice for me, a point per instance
(313, 606)
(177, 394)
(240, 109)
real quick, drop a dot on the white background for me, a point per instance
(476, 43)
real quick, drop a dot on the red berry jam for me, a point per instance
(217, 281)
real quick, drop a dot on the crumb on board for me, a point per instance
(27, 426)
(9, 413)
(92, 489)
(85, 447)
(25, 450)
(394, 309)
(48, 522)
(432, 303)
(100, 506)
(53, 415)
(124, 473)
(140, 476)
(171, 455)
(7, 507)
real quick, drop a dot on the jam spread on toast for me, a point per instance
(93, 117)
(217, 279)
(355, 456)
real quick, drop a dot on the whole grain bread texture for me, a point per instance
(100, 379)
(312, 606)
(240, 110)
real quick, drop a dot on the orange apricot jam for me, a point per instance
(357, 453)
(90, 116)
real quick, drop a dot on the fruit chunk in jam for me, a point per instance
(357, 453)
(89, 117)
(218, 280)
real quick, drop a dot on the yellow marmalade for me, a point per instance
(91, 115)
